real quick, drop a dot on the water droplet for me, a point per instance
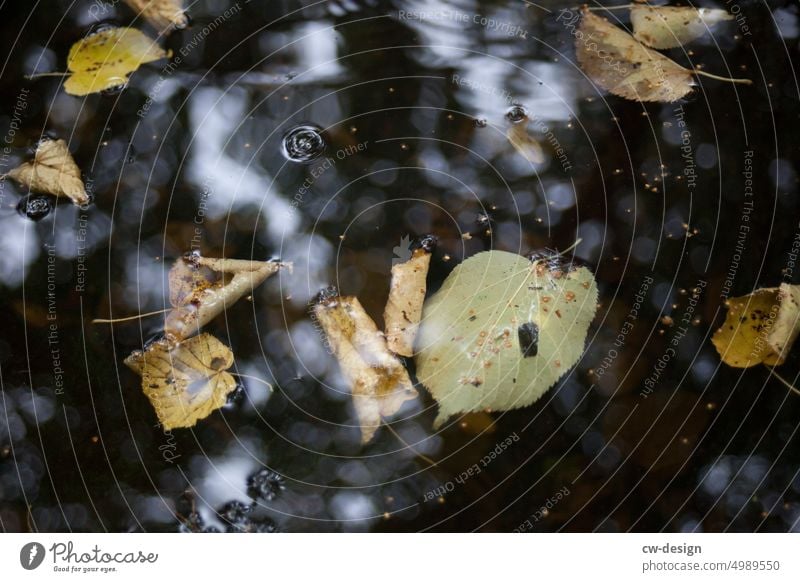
(303, 143)
(118, 87)
(35, 206)
(481, 122)
(516, 114)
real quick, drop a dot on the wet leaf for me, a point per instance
(406, 296)
(163, 15)
(760, 328)
(201, 288)
(187, 381)
(619, 63)
(524, 143)
(502, 330)
(380, 384)
(664, 27)
(104, 59)
(52, 171)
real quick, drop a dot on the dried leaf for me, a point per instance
(502, 330)
(201, 288)
(104, 60)
(53, 171)
(760, 328)
(163, 15)
(406, 295)
(619, 63)
(524, 143)
(380, 384)
(665, 27)
(185, 382)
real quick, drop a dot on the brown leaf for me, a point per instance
(664, 27)
(524, 143)
(52, 171)
(201, 288)
(403, 309)
(163, 15)
(379, 382)
(619, 63)
(187, 381)
(760, 328)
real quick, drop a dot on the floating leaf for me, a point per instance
(665, 27)
(184, 382)
(524, 143)
(502, 330)
(53, 171)
(619, 63)
(760, 328)
(380, 384)
(622, 65)
(201, 288)
(163, 15)
(406, 296)
(103, 60)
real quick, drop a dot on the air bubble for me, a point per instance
(303, 143)
(35, 207)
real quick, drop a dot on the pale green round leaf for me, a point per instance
(502, 330)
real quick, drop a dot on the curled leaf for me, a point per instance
(103, 60)
(201, 288)
(619, 63)
(184, 382)
(502, 330)
(164, 15)
(406, 296)
(760, 328)
(524, 143)
(52, 171)
(664, 27)
(380, 384)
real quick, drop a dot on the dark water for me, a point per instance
(411, 100)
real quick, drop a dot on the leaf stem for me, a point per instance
(132, 317)
(38, 75)
(718, 78)
(249, 377)
(422, 456)
(784, 381)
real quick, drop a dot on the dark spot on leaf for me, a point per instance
(528, 334)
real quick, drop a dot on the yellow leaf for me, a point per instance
(502, 330)
(187, 381)
(52, 171)
(664, 27)
(760, 328)
(104, 59)
(406, 295)
(201, 288)
(380, 384)
(619, 63)
(163, 15)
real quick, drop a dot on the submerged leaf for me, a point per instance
(380, 384)
(184, 382)
(619, 63)
(406, 295)
(163, 15)
(103, 60)
(502, 330)
(524, 143)
(200, 288)
(52, 171)
(664, 27)
(760, 328)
